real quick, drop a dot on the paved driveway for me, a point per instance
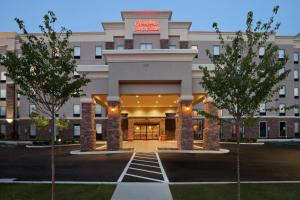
(258, 163)
(34, 165)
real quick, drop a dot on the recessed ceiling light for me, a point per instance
(174, 102)
(137, 96)
(138, 101)
(170, 105)
(156, 101)
(159, 96)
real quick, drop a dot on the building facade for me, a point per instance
(145, 84)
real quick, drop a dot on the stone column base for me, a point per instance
(88, 132)
(114, 133)
(185, 138)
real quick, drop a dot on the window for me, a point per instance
(296, 127)
(2, 94)
(120, 47)
(145, 46)
(281, 71)
(76, 130)
(282, 91)
(32, 130)
(282, 109)
(76, 110)
(98, 128)
(263, 129)
(196, 48)
(216, 50)
(296, 75)
(282, 129)
(296, 93)
(296, 111)
(3, 77)
(3, 129)
(261, 52)
(2, 111)
(296, 58)
(172, 46)
(32, 108)
(281, 54)
(262, 109)
(98, 52)
(98, 110)
(18, 96)
(77, 52)
(76, 74)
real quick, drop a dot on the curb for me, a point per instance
(48, 146)
(221, 151)
(78, 152)
(16, 142)
(244, 143)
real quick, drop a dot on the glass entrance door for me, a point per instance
(146, 132)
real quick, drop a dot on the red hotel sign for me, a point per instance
(146, 26)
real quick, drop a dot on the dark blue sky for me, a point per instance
(87, 15)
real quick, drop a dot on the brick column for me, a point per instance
(114, 133)
(10, 111)
(211, 131)
(87, 130)
(130, 129)
(185, 137)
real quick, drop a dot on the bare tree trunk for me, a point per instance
(52, 157)
(237, 131)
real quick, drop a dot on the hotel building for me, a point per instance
(146, 85)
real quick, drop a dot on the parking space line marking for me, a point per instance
(145, 165)
(162, 169)
(144, 170)
(145, 161)
(126, 168)
(152, 179)
(146, 157)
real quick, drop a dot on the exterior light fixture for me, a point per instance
(113, 109)
(9, 120)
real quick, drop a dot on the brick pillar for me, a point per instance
(10, 111)
(211, 136)
(114, 133)
(185, 137)
(87, 130)
(130, 129)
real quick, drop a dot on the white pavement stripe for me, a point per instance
(62, 182)
(126, 168)
(162, 169)
(145, 161)
(142, 177)
(143, 157)
(232, 182)
(144, 170)
(145, 165)
(7, 180)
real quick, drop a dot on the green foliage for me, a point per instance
(38, 120)
(44, 72)
(62, 123)
(241, 80)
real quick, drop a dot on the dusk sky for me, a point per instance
(87, 15)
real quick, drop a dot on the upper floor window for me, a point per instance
(296, 75)
(120, 47)
(2, 111)
(296, 57)
(98, 110)
(172, 46)
(261, 52)
(76, 74)
(3, 76)
(32, 108)
(76, 130)
(196, 48)
(281, 54)
(216, 50)
(282, 109)
(296, 93)
(262, 109)
(98, 52)
(145, 46)
(76, 110)
(77, 52)
(2, 93)
(282, 91)
(296, 111)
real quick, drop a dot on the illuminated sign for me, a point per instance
(146, 26)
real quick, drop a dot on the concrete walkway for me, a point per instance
(142, 191)
(149, 145)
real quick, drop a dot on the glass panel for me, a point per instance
(99, 128)
(296, 57)
(262, 108)
(262, 129)
(280, 53)
(3, 76)
(76, 109)
(296, 74)
(296, 127)
(261, 51)
(32, 130)
(172, 46)
(76, 130)
(282, 129)
(98, 51)
(296, 92)
(216, 50)
(76, 51)
(281, 108)
(282, 90)
(120, 47)
(3, 93)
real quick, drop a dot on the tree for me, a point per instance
(241, 80)
(44, 72)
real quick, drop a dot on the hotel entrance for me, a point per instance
(146, 131)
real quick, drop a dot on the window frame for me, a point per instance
(74, 133)
(3, 76)
(96, 113)
(100, 55)
(296, 75)
(3, 98)
(101, 132)
(146, 45)
(74, 113)
(282, 88)
(30, 131)
(279, 55)
(296, 61)
(262, 111)
(296, 92)
(266, 122)
(296, 111)
(285, 129)
(282, 113)
(219, 50)
(259, 52)
(77, 56)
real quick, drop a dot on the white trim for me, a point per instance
(145, 161)
(186, 98)
(92, 68)
(78, 152)
(162, 168)
(142, 157)
(133, 163)
(231, 182)
(144, 170)
(265, 116)
(126, 168)
(86, 100)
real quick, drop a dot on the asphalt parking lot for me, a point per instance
(258, 163)
(34, 165)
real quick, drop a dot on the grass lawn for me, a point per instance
(63, 192)
(228, 192)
